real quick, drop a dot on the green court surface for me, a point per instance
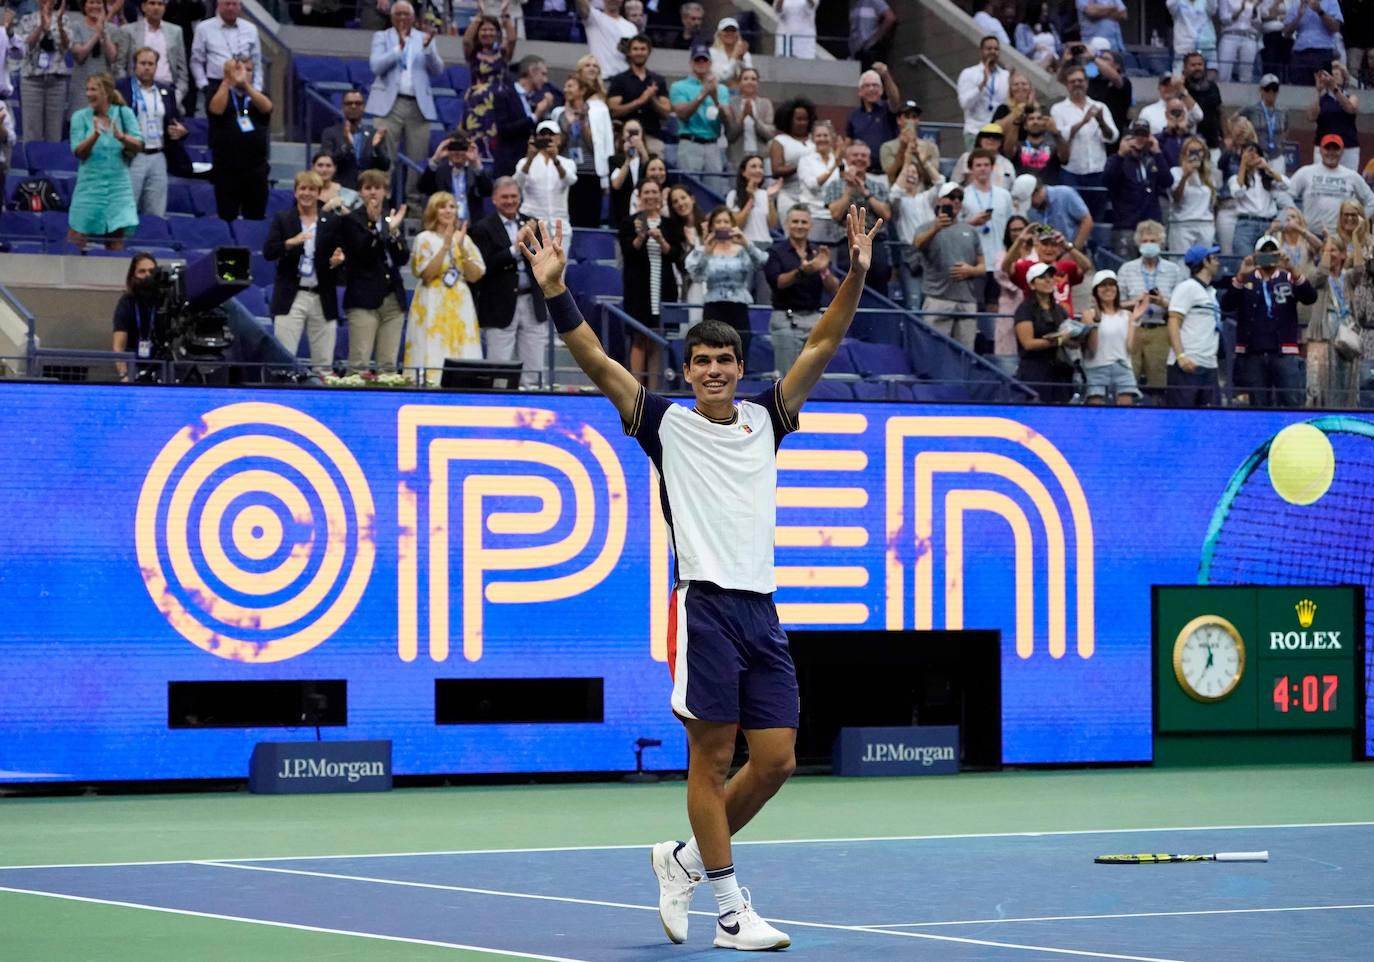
(236, 825)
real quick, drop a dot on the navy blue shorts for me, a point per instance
(729, 658)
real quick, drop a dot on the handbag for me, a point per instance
(1347, 340)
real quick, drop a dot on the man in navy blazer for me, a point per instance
(164, 147)
(457, 168)
(518, 108)
(403, 60)
(510, 307)
(354, 143)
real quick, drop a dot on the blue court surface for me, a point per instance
(966, 897)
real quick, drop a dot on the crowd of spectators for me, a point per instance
(975, 238)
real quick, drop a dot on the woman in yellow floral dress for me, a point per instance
(443, 314)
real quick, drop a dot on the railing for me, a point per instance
(921, 60)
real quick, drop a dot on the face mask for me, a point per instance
(1149, 249)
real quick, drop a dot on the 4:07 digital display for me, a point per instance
(1312, 694)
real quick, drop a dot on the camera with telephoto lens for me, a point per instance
(190, 329)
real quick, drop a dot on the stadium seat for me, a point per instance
(12, 181)
(360, 73)
(45, 156)
(879, 360)
(459, 77)
(450, 110)
(594, 280)
(26, 247)
(251, 234)
(760, 359)
(593, 245)
(751, 388)
(197, 131)
(179, 199)
(203, 198)
(151, 230)
(832, 391)
(252, 298)
(280, 198)
(262, 271)
(201, 232)
(843, 361)
(19, 158)
(54, 224)
(320, 70)
(875, 391)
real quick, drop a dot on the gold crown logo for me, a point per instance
(1307, 610)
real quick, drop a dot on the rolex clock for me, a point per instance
(1247, 674)
(1209, 658)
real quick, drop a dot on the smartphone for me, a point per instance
(945, 210)
(723, 233)
(1267, 259)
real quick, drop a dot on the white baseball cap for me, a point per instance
(1101, 277)
(1037, 270)
(1021, 190)
(949, 187)
(726, 23)
(1266, 241)
(1099, 44)
(548, 125)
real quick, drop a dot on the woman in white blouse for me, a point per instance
(752, 204)
(791, 143)
(814, 171)
(589, 140)
(729, 53)
(796, 35)
(1255, 188)
(753, 119)
(1193, 217)
(545, 178)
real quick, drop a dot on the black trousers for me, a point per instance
(240, 193)
(584, 200)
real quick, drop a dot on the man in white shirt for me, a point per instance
(164, 38)
(1088, 128)
(606, 28)
(1195, 333)
(982, 88)
(222, 38)
(1154, 114)
(545, 178)
(1321, 187)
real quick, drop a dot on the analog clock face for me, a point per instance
(1209, 658)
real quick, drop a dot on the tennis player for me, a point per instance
(728, 655)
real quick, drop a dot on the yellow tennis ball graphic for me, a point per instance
(1301, 463)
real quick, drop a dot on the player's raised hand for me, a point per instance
(544, 250)
(860, 241)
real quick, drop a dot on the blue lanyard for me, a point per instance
(240, 105)
(1337, 285)
(138, 320)
(1268, 300)
(1270, 121)
(992, 90)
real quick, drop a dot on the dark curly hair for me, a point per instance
(785, 110)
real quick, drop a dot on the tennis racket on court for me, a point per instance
(1148, 858)
(1257, 537)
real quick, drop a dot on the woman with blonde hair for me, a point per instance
(103, 136)
(1352, 229)
(1332, 379)
(443, 316)
(1011, 116)
(589, 140)
(729, 53)
(588, 69)
(1193, 219)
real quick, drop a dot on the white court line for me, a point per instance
(654, 908)
(1130, 915)
(292, 925)
(778, 841)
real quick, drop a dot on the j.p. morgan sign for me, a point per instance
(920, 750)
(285, 768)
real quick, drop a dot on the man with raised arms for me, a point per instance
(728, 655)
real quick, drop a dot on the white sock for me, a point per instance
(726, 889)
(689, 857)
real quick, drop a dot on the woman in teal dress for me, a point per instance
(103, 202)
(488, 47)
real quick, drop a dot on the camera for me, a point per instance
(189, 328)
(945, 210)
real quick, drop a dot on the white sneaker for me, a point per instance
(675, 888)
(746, 931)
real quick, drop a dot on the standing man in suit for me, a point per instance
(164, 39)
(457, 168)
(355, 144)
(519, 108)
(374, 302)
(510, 307)
(305, 241)
(403, 60)
(159, 119)
(224, 37)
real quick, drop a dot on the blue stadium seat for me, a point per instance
(179, 199)
(152, 230)
(279, 198)
(751, 388)
(45, 156)
(843, 361)
(201, 232)
(262, 271)
(26, 247)
(876, 391)
(253, 299)
(163, 254)
(594, 280)
(832, 391)
(203, 198)
(251, 234)
(760, 359)
(459, 77)
(593, 245)
(19, 157)
(320, 70)
(12, 181)
(879, 360)
(54, 225)
(450, 110)
(360, 73)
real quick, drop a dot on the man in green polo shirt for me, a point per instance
(699, 103)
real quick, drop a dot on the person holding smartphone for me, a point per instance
(1039, 336)
(726, 263)
(952, 256)
(545, 177)
(1264, 295)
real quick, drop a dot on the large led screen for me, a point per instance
(389, 538)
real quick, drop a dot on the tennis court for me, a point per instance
(991, 866)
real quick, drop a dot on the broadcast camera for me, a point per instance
(190, 329)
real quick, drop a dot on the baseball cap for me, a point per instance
(1198, 253)
(1138, 129)
(1036, 270)
(701, 52)
(548, 125)
(1268, 240)
(1099, 44)
(1101, 277)
(949, 187)
(1269, 80)
(910, 107)
(726, 23)
(1333, 139)
(1022, 188)
(991, 130)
